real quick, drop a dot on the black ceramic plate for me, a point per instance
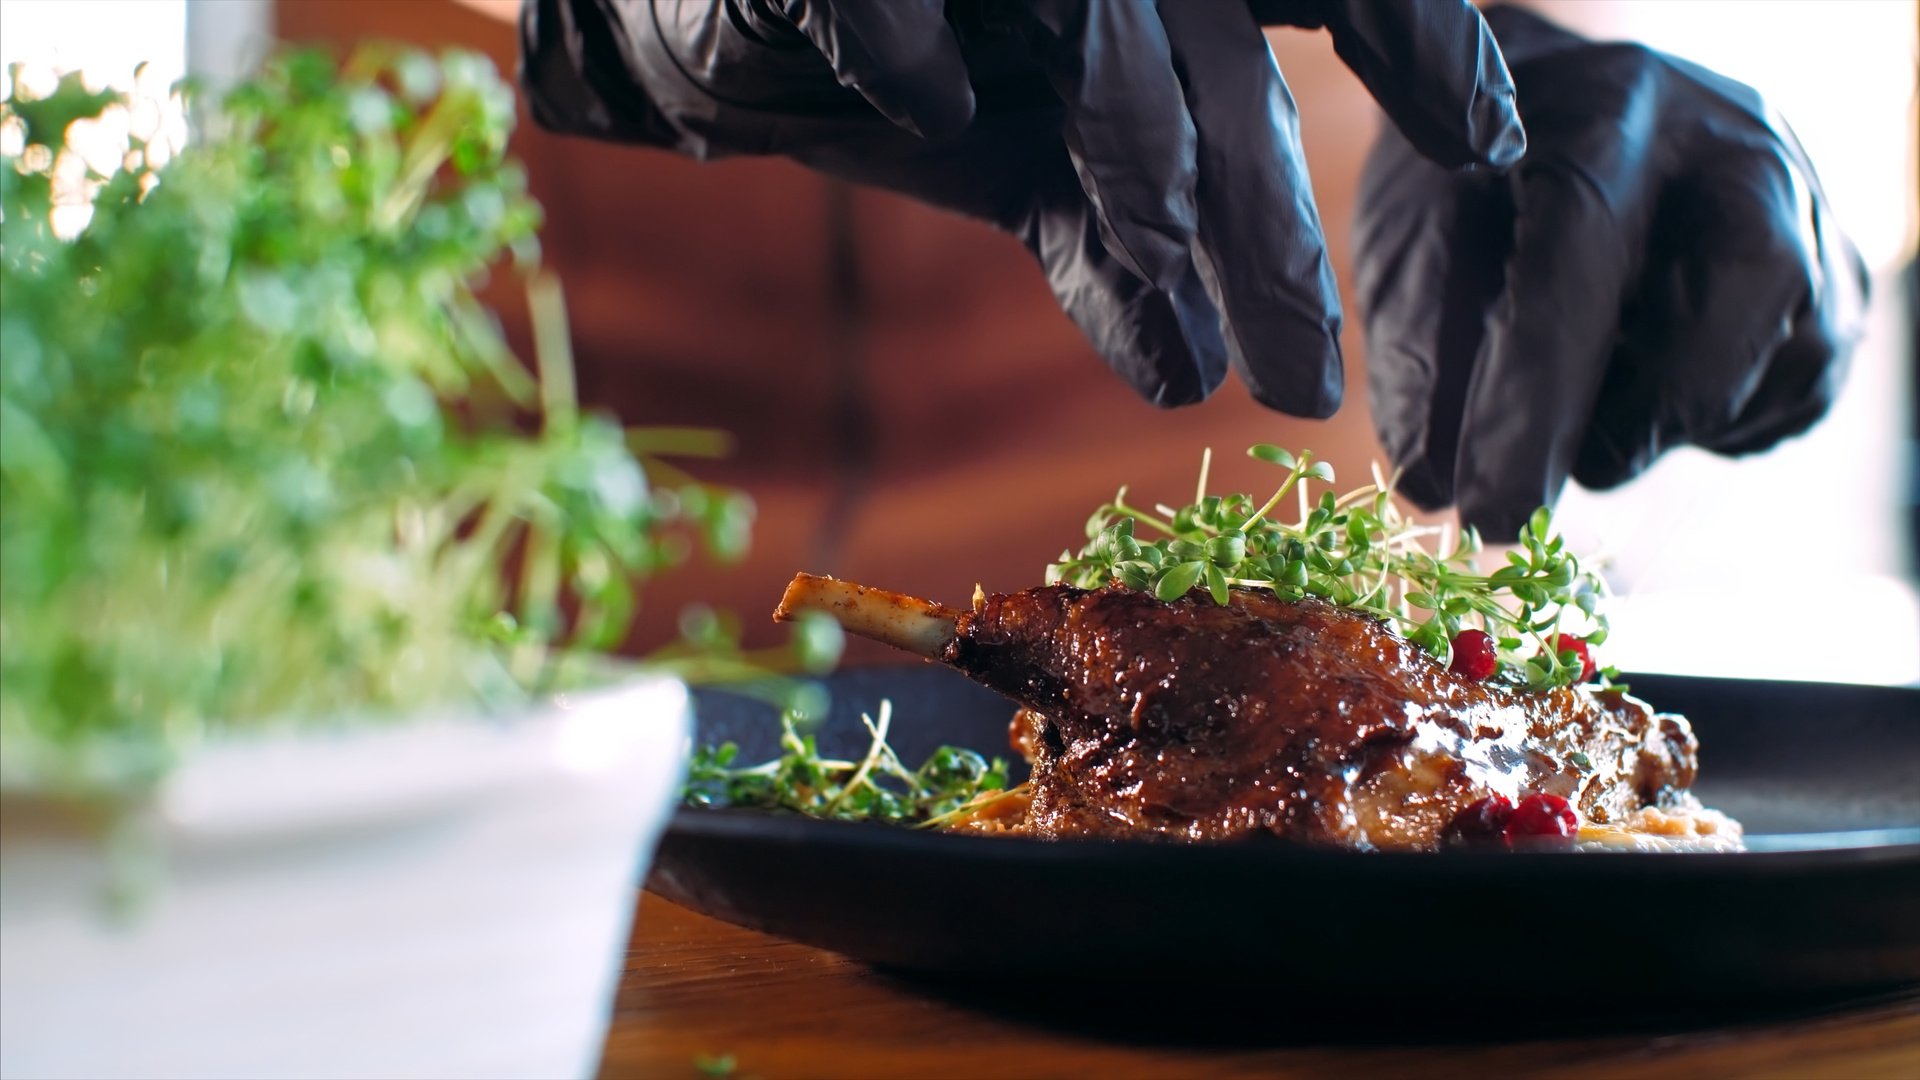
(1826, 779)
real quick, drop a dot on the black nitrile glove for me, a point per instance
(1147, 154)
(1660, 269)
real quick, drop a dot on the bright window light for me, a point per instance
(104, 40)
(138, 46)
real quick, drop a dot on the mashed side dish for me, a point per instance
(1687, 827)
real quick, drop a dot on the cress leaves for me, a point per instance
(1358, 550)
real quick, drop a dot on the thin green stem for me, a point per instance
(1143, 517)
(1285, 486)
(878, 729)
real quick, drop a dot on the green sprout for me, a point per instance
(1358, 550)
(877, 787)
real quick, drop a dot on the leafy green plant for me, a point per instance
(877, 787)
(265, 457)
(1359, 550)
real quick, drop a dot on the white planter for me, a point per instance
(448, 898)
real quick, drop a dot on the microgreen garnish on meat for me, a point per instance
(1359, 550)
(877, 787)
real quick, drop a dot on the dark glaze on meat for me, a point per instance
(1298, 719)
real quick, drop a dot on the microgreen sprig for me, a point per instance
(1358, 550)
(877, 787)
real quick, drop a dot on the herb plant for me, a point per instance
(1361, 551)
(876, 787)
(265, 456)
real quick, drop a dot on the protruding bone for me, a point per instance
(905, 622)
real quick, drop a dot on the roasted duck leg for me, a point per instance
(1298, 719)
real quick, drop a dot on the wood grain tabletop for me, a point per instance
(702, 998)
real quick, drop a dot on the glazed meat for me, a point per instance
(1300, 720)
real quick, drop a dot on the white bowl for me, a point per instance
(438, 898)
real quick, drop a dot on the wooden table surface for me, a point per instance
(697, 990)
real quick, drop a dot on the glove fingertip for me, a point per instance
(934, 90)
(1494, 133)
(1443, 81)
(1170, 348)
(1308, 398)
(1498, 521)
(933, 100)
(902, 57)
(1189, 387)
(1423, 486)
(1498, 492)
(1301, 375)
(939, 115)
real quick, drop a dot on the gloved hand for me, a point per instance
(1148, 155)
(1661, 269)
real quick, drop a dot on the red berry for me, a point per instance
(1542, 821)
(1577, 646)
(1483, 824)
(1473, 655)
